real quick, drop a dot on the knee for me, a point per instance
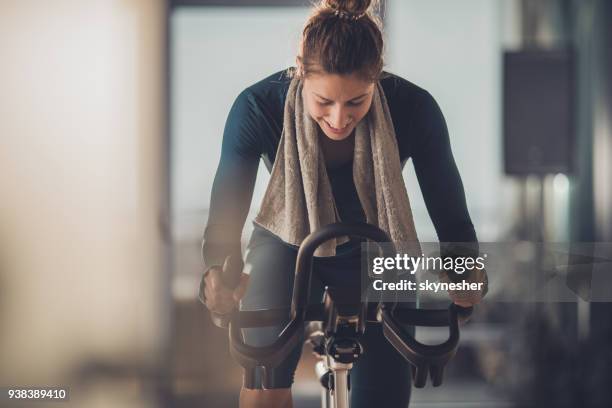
(276, 398)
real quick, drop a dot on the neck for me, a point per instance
(337, 152)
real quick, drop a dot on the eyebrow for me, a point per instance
(350, 100)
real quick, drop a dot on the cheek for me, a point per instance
(314, 110)
(360, 113)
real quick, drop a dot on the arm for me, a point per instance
(232, 189)
(445, 197)
(438, 176)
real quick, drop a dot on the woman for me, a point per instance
(335, 132)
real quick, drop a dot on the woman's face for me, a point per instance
(337, 102)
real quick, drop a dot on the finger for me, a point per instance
(224, 305)
(222, 300)
(209, 304)
(214, 279)
(464, 297)
(218, 304)
(202, 295)
(240, 291)
(208, 294)
(221, 296)
(471, 299)
(465, 294)
(207, 278)
(463, 303)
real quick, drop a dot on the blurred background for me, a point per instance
(111, 117)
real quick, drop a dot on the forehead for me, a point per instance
(337, 87)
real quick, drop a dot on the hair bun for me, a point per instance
(355, 7)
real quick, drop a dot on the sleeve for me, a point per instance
(438, 176)
(234, 181)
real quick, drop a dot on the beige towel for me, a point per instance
(299, 197)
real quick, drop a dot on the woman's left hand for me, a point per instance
(469, 298)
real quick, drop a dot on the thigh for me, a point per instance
(271, 265)
(381, 377)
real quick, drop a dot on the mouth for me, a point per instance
(337, 130)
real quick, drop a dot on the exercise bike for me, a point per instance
(334, 327)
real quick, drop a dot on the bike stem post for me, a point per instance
(340, 391)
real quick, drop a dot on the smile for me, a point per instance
(337, 130)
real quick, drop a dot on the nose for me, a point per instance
(339, 117)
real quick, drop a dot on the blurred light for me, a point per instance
(561, 183)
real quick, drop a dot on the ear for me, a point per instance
(299, 66)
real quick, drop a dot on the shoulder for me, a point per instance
(269, 92)
(416, 116)
(411, 107)
(255, 120)
(403, 95)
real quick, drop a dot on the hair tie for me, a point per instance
(347, 15)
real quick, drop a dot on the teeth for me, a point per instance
(337, 129)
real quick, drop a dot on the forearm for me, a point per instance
(230, 201)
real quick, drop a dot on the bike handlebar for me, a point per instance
(303, 265)
(426, 359)
(251, 356)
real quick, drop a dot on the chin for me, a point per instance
(334, 135)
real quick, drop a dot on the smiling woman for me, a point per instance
(335, 132)
(337, 102)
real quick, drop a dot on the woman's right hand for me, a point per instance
(218, 297)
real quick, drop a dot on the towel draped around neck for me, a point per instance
(299, 198)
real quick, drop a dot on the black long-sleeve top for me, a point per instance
(253, 130)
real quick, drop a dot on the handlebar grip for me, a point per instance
(426, 359)
(230, 277)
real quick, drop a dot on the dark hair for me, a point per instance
(342, 37)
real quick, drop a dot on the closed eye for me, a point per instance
(352, 103)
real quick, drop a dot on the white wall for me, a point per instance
(453, 49)
(216, 53)
(81, 175)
